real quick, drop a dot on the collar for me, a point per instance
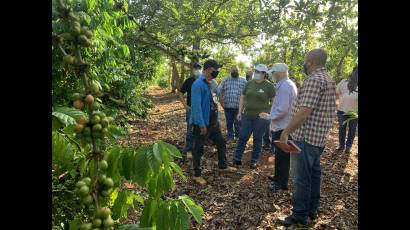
(318, 70)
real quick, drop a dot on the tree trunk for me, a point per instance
(340, 64)
(182, 76)
(174, 81)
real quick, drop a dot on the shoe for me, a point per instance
(275, 188)
(340, 149)
(189, 155)
(291, 220)
(199, 180)
(229, 169)
(253, 165)
(312, 215)
(235, 162)
(348, 151)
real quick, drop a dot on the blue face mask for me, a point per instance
(197, 72)
(257, 76)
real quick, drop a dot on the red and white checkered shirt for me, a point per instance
(319, 93)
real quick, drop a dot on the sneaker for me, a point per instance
(229, 169)
(312, 215)
(291, 220)
(253, 165)
(340, 149)
(348, 151)
(189, 155)
(235, 162)
(199, 180)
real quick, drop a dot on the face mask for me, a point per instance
(234, 74)
(197, 72)
(305, 69)
(214, 74)
(257, 76)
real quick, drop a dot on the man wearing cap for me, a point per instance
(204, 119)
(280, 116)
(186, 88)
(256, 98)
(230, 92)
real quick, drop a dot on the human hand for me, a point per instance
(284, 137)
(264, 115)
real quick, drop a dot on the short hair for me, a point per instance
(211, 63)
(317, 56)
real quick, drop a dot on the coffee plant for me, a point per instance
(87, 171)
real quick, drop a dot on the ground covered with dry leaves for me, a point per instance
(242, 200)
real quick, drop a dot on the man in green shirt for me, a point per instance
(256, 98)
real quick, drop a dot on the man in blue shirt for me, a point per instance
(204, 119)
(280, 117)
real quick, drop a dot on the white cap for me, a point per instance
(261, 67)
(278, 67)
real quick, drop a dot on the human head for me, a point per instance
(260, 72)
(279, 71)
(196, 69)
(249, 75)
(234, 71)
(352, 82)
(314, 59)
(211, 68)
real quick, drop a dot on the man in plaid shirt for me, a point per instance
(313, 117)
(230, 93)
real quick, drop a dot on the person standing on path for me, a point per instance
(186, 88)
(348, 102)
(280, 116)
(249, 75)
(256, 98)
(313, 117)
(229, 95)
(204, 119)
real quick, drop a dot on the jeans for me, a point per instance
(257, 126)
(282, 162)
(343, 128)
(232, 124)
(189, 135)
(214, 133)
(307, 179)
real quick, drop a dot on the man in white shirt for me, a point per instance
(348, 102)
(280, 116)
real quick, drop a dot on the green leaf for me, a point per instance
(195, 209)
(115, 132)
(125, 51)
(163, 216)
(56, 123)
(120, 208)
(178, 170)
(133, 227)
(149, 209)
(62, 151)
(142, 166)
(157, 153)
(75, 224)
(64, 118)
(172, 149)
(183, 217)
(128, 163)
(90, 5)
(114, 163)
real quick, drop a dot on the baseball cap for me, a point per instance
(211, 63)
(278, 67)
(261, 67)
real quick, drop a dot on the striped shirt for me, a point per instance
(231, 88)
(319, 93)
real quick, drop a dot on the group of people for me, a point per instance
(269, 100)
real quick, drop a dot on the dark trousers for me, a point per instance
(343, 129)
(215, 134)
(282, 163)
(266, 139)
(232, 124)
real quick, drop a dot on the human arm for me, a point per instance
(196, 108)
(183, 101)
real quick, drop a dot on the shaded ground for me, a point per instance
(242, 200)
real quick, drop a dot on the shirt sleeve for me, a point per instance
(281, 104)
(196, 108)
(311, 93)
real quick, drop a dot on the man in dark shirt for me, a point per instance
(186, 88)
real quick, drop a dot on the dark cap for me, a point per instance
(211, 63)
(196, 65)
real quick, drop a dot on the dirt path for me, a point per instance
(242, 200)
